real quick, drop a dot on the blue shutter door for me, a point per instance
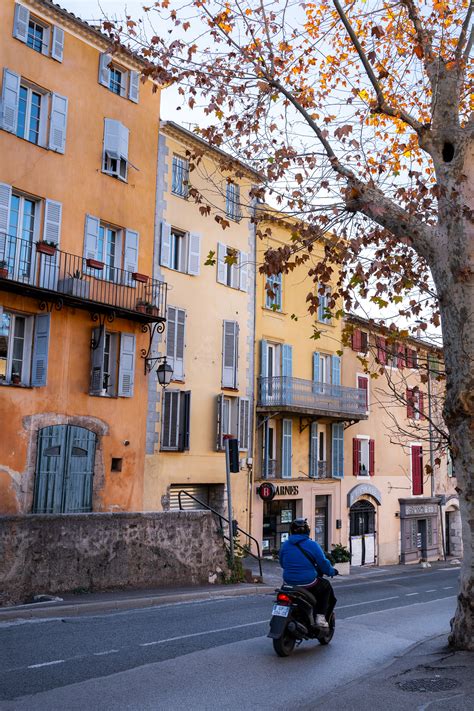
(39, 363)
(286, 369)
(126, 365)
(263, 389)
(286, 449)
(337, 450)
(313, 450)
(79, 472)
(336, 370)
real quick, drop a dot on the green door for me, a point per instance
(64, 470)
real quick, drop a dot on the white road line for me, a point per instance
(394, 609)
(433, 590)
(108, 651)
(455, 567)
(450, 587)
(198, 634)
(46, 664)
(410, 594)
(367, 602)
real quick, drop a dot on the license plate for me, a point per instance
(280, 610)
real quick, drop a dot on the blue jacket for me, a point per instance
(297, 569)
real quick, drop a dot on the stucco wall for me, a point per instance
(54, 554)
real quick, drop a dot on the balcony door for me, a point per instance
(273, 367)
(22, 234)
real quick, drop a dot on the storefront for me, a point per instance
(419, 524)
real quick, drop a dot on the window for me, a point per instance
(22, 233)
(411, 358)
(24, 341)
(415, 403)
(363, 456)
(232, 201)
(230, 354)
(180, 176)
(273, 292)
(41, 37)
(117, 79)
(108, 251)
(232, 267)
(32, 113)
(175, 420)
(326, 370)
(175, 343)
(233, 418)
(115, 153)
(323, 307)
(363, 384)
(112, 363)
(360, 341)
(433, 364)
(180, 250)
(114, 247)
(417, 469)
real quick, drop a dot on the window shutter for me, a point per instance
(21, 22)
(381, 350)
(130, 260)
(229, 354)
(371, 457)
(126, 365)
(57, 47)
(124, 134)
(220, 418)
(313, 450)
(104, 69)
(49, 271)
(336, 370)
(321, 305)
(421, 405)
(409, 358)
(165, 248)
(112, 137)
(221, 265)
(171, 334)
(243, 269)
(286, 453)
(263, 359)
(170, 421)
(97, 362)
(91, 237)
(357, 340)
(10, 100)
(175, 340)
(243, 423)
(363, 384)
(417, 470)
(39, 368)
(194, 253)
(184, 420)
(5, 201)
(401, 356)
(235, 273)
(58, 124)
(337, 450)
(355, 456)
(134, 88)
(410, 398)
(287, 360)
(316, 377)
(124, 83)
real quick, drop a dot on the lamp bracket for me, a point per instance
(151, 329)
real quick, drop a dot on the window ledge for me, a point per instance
(228, 389)
(275, 313)
(178, 380)
(22, 386)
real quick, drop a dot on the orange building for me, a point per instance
(78, 157)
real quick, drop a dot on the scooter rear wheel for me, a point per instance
(284, 645)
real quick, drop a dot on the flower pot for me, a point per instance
(343, 568)
(152, 311)
(43, 248)
(3, 273)
(74, 287)
(141, 308)
(16, 380)
(140, 277)
(94, 264)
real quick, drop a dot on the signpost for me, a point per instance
(231, 446)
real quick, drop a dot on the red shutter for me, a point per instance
(417, 470)
(355, 456)
(363, 384)
(381, 350)
(364, 342)
(421, 406)
(401, 356)
(371, 457)
(357, 340)
(410, 398)
(409, 358)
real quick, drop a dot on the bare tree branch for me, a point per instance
(463, 34)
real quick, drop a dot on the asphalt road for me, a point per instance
(202, 654)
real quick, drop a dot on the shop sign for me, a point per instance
(420, 509)
(266, 491)
(287, 491)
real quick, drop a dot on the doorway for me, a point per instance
(362, 533)
(421, 538)
(321, 521)
(64, 470)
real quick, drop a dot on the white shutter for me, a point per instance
(130, 259)
(104, 70)
(313, 450)
(235, 273)
(39, 362)
(124, 83)
(194, 254)
(180, 344)
(10, 100)
(58, 124)
(46, 39)
(244, 423)
(134, 88)
(220, 419)
(243, 269)
(21, 22)
(126, 365)
(112, 137)
(91, 237)
(286, 454)
(97, 361)
(171, 334)
(57, 45)
(165, 250)
(229, 354)
(49, 271)
(123, 145)
(5, 201)
(221, 265)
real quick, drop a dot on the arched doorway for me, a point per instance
(64, 470)
(362, 533)
(453, 531)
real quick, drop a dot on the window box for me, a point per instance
(75, 287)
(141, 307)
(140, 277)
(95, 264)
(46, 248)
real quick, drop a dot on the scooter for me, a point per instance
(293, 620)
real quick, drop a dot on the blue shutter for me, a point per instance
(134, 87)
(58, 123)
(39, 367)
(263, 389)
(313, 450)
(287, 360)
(338, 450)
(286, 448)
(10, 100)
(316, 367)
(126, 365)
(21, 22)
(96, 384)
(57, 46)
(165, 247)
(336, 370)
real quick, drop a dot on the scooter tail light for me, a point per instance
(283, 599)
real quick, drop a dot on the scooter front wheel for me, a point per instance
(284, 645)
(326, 637)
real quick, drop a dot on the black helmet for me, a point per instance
(300, 525)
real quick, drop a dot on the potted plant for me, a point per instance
(152, 310)
(45, 247)
(16, 380)
(75, 285)
(340, 557)
(140, 277)
(3, 268)
(141, 306)
(94, 264)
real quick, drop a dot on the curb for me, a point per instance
(36, 611)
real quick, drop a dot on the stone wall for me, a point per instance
(102, 551)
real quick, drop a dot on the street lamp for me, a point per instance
(164, 373)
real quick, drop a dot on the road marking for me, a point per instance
(198, 634)
(367, 602)
(46, 664)
(433, 590)
(455, 567)
(450, 587)
(109, 651)
(410, 594)
(394, 609)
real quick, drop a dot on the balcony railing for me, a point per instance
(295, 394)
(69, 278)
(322, 471)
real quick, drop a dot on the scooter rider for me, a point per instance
(304, 563)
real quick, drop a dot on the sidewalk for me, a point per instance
(428, 676)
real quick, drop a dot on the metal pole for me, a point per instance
(229, 500)
(430, 428)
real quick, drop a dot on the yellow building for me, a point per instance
(78, 147)
(396, 510)
(302, 407)
(210, 327)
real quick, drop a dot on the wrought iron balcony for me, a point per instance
(39, 270)
(270, 469)
(307, 397)
(322, 471)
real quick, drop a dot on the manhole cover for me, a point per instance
(429, 684)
